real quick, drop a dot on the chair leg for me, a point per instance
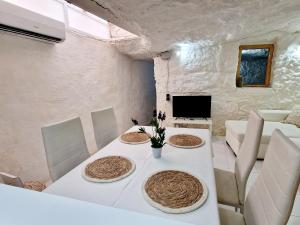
(242, 210)
(235, 209)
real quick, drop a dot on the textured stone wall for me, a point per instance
(197, 68)
(44, 83)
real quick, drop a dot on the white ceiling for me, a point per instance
(165, 23)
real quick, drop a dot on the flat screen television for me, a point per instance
(192, 106)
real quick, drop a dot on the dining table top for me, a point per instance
(127, 193)
(21, 206)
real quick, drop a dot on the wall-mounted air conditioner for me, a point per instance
(21, 21)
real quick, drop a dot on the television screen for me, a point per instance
(191, 106)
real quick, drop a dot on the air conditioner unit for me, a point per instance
(17, 20)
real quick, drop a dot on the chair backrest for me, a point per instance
(105, 126)
(248, 151)
(65, 146)
(11, 180)
(270, 200)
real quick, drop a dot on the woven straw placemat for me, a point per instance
(185, 141)
(108, 169)
(134, 138)
(34, 185)
(173, 191)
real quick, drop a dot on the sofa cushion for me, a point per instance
(294, 117)
(238, 129)
(274, 115)
(296, 141)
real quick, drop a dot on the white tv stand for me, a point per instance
(184, 122)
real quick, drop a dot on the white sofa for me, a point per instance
(235, 130)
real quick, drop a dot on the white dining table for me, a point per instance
(25, 207)
(127, 193)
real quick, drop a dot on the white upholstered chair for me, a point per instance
(270, 200)
(65, 146)
(13, 180)
(105, 126)
(231, 186)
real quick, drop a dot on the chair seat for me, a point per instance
(227, 191)
(229, 217)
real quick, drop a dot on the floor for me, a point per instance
(224, 159)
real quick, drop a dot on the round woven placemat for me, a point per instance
(34, 185)
(185, 141)
(134, 138)
(175, 191)
(108, 169)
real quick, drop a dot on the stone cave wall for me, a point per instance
(200, 68)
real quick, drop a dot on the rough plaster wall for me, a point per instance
(136, 48)
(117, 33)
(198, 69)
(44, 83)
(130, 44)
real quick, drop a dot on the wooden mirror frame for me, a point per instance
(269, 65)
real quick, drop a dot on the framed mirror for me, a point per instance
(254, 66)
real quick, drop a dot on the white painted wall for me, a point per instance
(44, 83)
(196, 68)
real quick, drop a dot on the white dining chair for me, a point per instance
(65, 146)
(105, 126)
(13, 180)
(271, 198)
(231, 186)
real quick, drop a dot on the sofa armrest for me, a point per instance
(274, 115)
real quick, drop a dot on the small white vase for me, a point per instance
(156, 152)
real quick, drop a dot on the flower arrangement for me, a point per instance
(158, 131)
